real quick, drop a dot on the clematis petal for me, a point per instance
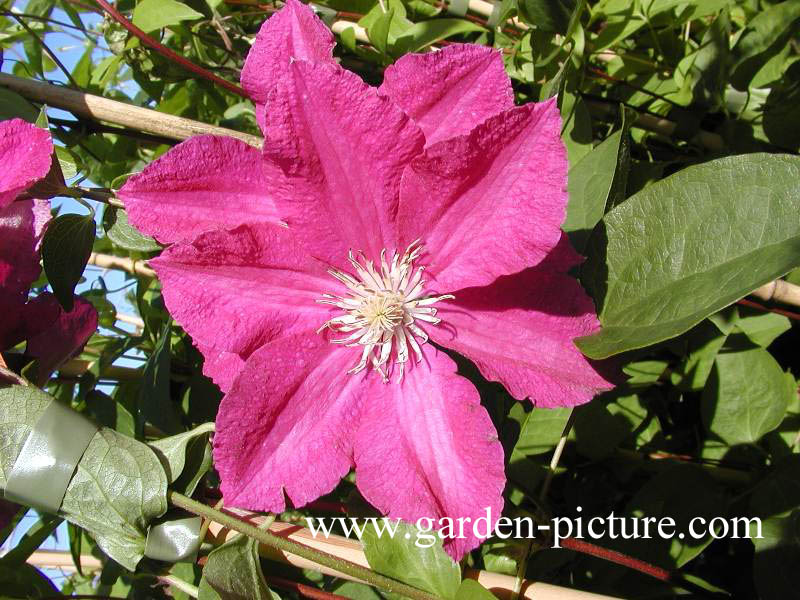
(429, 438)
(341, 151)
(205, 183)
(491, 202)
(449, 92)
(25, 155)
(21, 226)
(519, 331)
(234, 291)
(220, 366)
(64, 337)
(286, 423)
(292, 33)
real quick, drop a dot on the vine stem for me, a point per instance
(286, 545)
(180, 584)
(167, 53)
(522, 566)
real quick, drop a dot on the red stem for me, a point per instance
(304, 591)
(171, 55)
(777, 311)
(618, 558)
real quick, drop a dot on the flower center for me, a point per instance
(382, 310)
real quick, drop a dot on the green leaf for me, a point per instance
(704, 343)
(20, 408)
(125, 235)
(155, 400)
(542, 429)
(645, 372)
(763, 37)
(68, 162)
(118, 488)
(763, 328)
(66, 248)
(24, 582)
(777, 555)
(12, 105)
(779, 491)
(746, 396)
(665, 495)
(150, 15)
(472, 590)
(588, 185)
(689, 245)
(547, 15)
(425, 33)
(378, 32)
(400, 556)
(30, 542)
(233, 572)
(172, 450)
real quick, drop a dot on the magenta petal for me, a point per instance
(202, 184)
(234, 291)
(293, 33)
(286, 424)
(520, 331)
(21, 226)
(220, 366)
(427, 448)
(447, 93)
(489, 203)
(25, 155)
(65, 337)
(341, 150)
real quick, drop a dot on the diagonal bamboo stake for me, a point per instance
(119, 113)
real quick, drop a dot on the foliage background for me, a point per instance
(708, 422)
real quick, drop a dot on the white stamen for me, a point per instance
(381, 309)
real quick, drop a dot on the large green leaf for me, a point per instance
(402, 556)
(233, 572)
(746, 396)
(66, 248)
(150, 15)
(693, 243)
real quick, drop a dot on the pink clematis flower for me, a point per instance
(314, 275)
(52, 334)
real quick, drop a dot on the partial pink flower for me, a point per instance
(52, 334)
(426, 210)
(25, 154)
